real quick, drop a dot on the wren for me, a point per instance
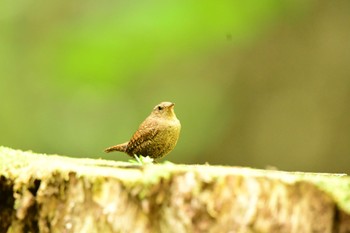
(157, 135)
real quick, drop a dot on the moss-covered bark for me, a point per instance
(48, 193)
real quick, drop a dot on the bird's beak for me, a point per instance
(171, 105)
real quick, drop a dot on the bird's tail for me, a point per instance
(120, 147)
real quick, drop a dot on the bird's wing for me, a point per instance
(142, 138)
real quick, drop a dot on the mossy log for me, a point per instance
(51, 193)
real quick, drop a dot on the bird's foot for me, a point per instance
(142, 160)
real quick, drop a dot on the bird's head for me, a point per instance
(164, 110)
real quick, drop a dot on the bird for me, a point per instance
(156, 136)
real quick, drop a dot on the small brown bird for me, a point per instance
(156, 136)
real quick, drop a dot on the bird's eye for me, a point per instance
(160, 108)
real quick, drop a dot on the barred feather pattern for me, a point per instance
(156, 136)
(142, 139)
(120, 147)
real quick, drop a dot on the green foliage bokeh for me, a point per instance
(79, 76)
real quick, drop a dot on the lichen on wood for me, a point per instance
(51, 193)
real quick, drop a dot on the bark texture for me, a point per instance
(49, 193)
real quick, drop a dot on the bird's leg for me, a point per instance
(137, 159)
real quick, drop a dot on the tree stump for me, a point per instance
(51, 193)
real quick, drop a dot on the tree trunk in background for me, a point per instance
(40, 193)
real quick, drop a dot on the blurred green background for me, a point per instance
(256, 83)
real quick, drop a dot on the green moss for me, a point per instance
(143, 181)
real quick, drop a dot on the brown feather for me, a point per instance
(120, 147)
(156, 136)
(141, 140)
